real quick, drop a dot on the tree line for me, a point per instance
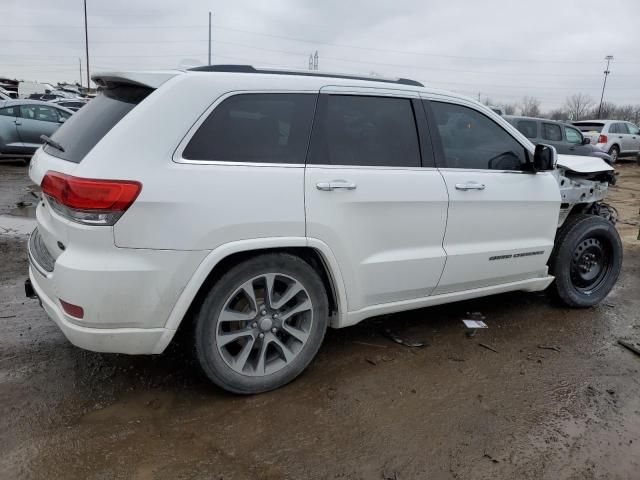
(576, 107)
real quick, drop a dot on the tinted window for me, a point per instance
(551, 132)
(39, 112)
(589, 127)
(613, 128)
(573, 136)
(90, 124)
(263, 128)
(471, 140)
(366, 131)
(528, 128)
(9, 111)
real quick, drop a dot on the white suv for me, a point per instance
(617, 138)
(256, 208)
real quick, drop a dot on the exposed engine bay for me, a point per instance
(584, 183)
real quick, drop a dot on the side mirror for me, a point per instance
(62, 119)
(544, 158)
(586, 141)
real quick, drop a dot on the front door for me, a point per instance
(370, 200)
(575, 139)
(502, 220)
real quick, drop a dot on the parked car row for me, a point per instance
(618, 139)
(22, 122)
(566, 138)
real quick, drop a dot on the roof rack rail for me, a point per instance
(252, 69)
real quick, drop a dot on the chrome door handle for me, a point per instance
(335, 185)
(18, 122)
(470, 186)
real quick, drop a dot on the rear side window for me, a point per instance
(551, 132)
(256, 128)
(590, 127)
(365, 131)
(528, 128)
(83, 130)
(633, 130)
(472, 140)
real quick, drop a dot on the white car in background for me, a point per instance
(255, 208)
(615, 137)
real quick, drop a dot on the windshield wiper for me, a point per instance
(53, 143)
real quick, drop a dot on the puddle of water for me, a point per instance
(10, 225)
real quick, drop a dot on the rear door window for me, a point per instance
(255, 128)
(9, 111)
(365, 131)
(551, 132)
(83, 130)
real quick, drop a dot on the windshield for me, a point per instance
(85, 128)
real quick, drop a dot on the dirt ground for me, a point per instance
(557, 399)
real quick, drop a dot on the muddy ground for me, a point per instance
(367, 408)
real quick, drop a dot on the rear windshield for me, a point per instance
(590, 127)
(89, 125)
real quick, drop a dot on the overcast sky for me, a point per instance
(501, 49)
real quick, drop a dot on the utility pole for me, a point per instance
(209, 38)
(80, 69)
(608, 58)
(315, 61)
(86, 45)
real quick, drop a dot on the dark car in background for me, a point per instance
(566, 138)
(23, 121)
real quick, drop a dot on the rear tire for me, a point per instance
(614, 152)
(586, 260)
(261, 323)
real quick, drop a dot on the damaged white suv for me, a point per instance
(256, 208)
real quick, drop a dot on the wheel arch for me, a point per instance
(219, 260)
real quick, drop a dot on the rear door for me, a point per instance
(36, 120)
(373, 195)
(619, 134)
(501, 220)
(552, 135)
(9, 138)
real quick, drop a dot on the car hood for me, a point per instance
(582, 164)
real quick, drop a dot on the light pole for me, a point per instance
(86, 45)
(608, 58)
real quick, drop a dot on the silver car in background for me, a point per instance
(617, 138)
(22, 122)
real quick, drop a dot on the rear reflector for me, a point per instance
(89, 201)
(603, 139)
(71, 309)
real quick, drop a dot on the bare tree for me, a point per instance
(558, 114)
(530, 107)
(509, 108)
(607, 111)
(625, 112)
(578, 106)
(487, 101)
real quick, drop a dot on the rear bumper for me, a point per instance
(113, 340)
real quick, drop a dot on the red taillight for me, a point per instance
(90, 201)
(90, 194)
(603, 139)
(71, 309)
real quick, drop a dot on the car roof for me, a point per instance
(304, 79)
